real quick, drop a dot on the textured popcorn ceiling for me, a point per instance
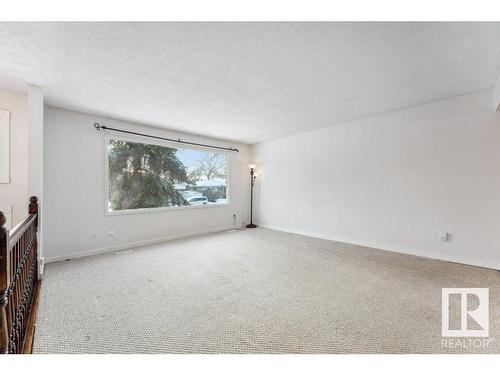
(247, 82)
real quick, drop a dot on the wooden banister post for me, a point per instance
(4, 284)
(33, 208)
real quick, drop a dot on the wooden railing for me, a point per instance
(18, 279)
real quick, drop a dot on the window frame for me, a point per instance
(138, 139)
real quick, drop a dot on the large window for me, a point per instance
(148, 176)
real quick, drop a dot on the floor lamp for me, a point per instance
(253, 176)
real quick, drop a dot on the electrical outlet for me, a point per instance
(443, 236)
(92, 235)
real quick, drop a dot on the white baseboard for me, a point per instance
(129, 245)
(394, 249)
(463, 260)
(374, 245)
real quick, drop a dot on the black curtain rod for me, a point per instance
(99, 127)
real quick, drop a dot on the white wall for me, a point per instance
(74, 192)
(35, 158)
(14, 194)
(496, 99)
(35, 141)
(393, 181)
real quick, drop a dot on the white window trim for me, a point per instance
(138, 139)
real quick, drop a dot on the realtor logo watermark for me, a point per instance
(465, 314)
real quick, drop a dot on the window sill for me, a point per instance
(162, 209)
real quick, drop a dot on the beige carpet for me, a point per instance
(252, 291)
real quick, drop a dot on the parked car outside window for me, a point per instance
(196, 200)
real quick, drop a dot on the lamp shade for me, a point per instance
(251, 166)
